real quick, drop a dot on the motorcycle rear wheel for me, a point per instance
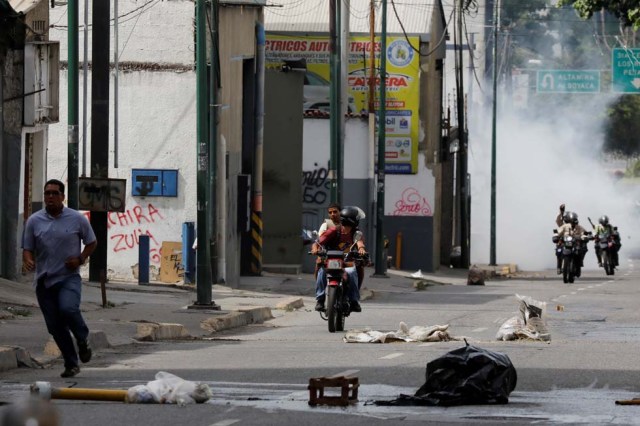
(332, 313)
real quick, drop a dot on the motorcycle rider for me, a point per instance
(571, 226)
(341, 238)
(604, 227)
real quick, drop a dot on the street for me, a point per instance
(259, 373)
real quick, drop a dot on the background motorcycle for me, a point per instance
(337, 306)
(608, 251)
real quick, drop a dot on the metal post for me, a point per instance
(492, 248)
(203, 269)
(143, 259)
(72, 119)
(334, 124)
(381, 263)
(212, 224)
(116, 71)
(85, 84)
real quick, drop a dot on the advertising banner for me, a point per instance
(402, 86)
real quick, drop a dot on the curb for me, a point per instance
(97, 341)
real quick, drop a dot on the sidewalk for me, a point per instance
(161, 311)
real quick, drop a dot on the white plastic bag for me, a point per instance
(170, 389)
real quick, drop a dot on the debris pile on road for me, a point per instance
(464, 376)
(529, 324)
(418, 333)
(169, 389)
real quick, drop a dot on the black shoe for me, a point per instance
(320, 306)
(355, 306)
(84, 351)
(70, 372)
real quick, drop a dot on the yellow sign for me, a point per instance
(402, 83)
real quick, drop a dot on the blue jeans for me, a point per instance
(60, 306)
(352, 290)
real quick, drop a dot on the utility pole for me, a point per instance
(335, 7)
(214, 85)
(496, 24)
(203, 264)
(463, 150)
(381, 262)
(99, 128)
(72, 105)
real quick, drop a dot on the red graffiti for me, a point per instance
(135, 216)
(131, 240)
(412, 204)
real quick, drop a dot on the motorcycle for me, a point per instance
(608, 252)
(337, 305)
(570, 249)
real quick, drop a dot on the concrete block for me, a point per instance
(290, 304)
(257, 314)
(97, 341)
(8, 358)
(224, 322)
(151, 332)
(146, 332)
(167, 331)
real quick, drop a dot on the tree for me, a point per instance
(623, 126)
(627, 11)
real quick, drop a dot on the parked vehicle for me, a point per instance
(337, 306)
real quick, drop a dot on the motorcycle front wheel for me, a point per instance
(606, 263)
(332, 312)
(567, 270)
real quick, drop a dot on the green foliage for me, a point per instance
(622, 130)
(627, 11)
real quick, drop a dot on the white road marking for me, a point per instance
(573, 292)
(227, 422)
(479, 329)
(391, 356)
(347, 373)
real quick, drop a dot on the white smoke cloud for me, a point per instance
(544, 160)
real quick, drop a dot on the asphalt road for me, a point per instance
(259, 374)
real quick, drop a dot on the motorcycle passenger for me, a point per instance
(604, 227)
(332, 222)
(341, 238)
(560, 217)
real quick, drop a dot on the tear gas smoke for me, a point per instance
(545, 159)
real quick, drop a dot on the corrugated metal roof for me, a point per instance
(310, 16)
(24, 5)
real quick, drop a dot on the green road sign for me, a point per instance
(625, 70)
(568, 81)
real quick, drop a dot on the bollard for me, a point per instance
(143, 259)
(46, 391)
(188, 253)
(399, 250)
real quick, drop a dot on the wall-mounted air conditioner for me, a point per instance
(41, 82)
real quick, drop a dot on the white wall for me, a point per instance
(405, 195)
(157, 128)
(145, 34)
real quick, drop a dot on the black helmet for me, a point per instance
(604, 220)
(573, 217)
(349, 216)
(570, 217)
